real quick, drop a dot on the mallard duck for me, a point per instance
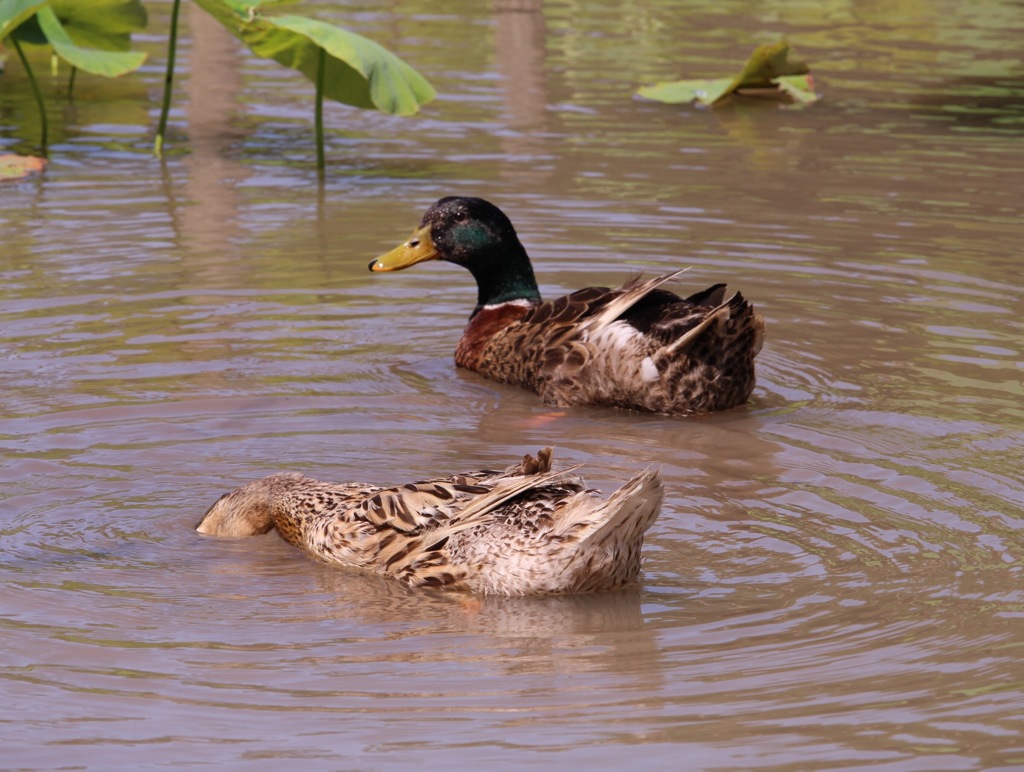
(524, 531)
(637, 346)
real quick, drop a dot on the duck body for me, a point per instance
(522, 531)
(658, 355)
(637, 346)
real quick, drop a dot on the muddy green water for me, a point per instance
(836, 578)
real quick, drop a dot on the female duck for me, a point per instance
(524, 531)
(637, 346)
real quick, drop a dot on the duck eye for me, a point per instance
(460, 217)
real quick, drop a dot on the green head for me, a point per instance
(475, 234)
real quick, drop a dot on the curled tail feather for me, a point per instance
(626, 514)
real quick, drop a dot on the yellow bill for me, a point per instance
(418, 248)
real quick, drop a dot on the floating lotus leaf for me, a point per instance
(769, 67)
(706, 92)
(799, 87)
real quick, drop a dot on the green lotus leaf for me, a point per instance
(107, 63)
(799, 87)
(357, 71)
(13, 13)
(705, 92)
(102, 24)
(390, 84)
(768, 67)
(765, 64)
(231, 13)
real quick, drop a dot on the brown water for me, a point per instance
(836, 578)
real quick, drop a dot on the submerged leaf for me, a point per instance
(768, 67)
(108, 63)
(15, 167)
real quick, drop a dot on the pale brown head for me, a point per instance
(249, 510)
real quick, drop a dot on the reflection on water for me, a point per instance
(836, 576)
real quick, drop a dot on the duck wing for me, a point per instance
(550, 343)
(419, 558)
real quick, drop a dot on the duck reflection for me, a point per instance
(597, 632)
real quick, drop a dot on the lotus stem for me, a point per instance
(38, 94)
(319, 114)
(172, 47)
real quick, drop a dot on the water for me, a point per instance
(835, 580)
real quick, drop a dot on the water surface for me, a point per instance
(835, 580)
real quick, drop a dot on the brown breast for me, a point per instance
(484, 325)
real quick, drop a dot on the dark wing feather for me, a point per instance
(570, 308)
(709, 298)
(415, 507)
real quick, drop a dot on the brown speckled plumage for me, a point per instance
(689, 358)
(524, 531)
(638, 346)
